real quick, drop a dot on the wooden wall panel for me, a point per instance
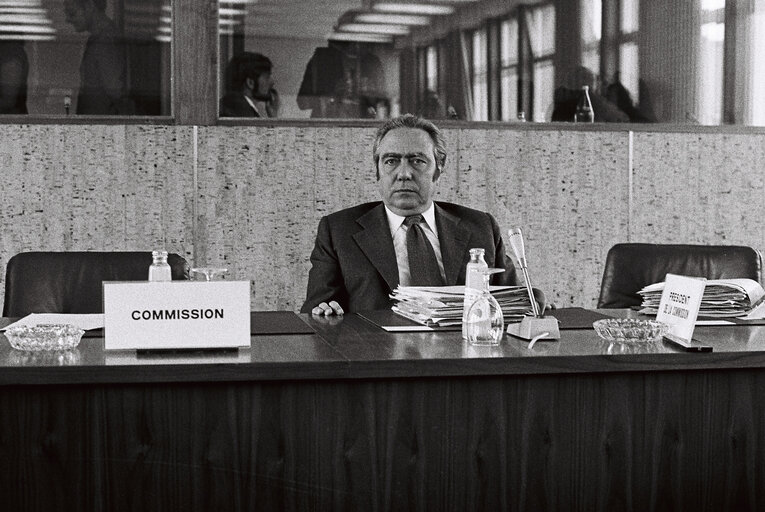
(568, 193)
(79, 188)
(694, 188)
(261, 194)
(261, 191)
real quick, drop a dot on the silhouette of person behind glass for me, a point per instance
(14, 69)
(567, 97)
(620, 96)
(249, 87)
(342, 80)
(103, 85)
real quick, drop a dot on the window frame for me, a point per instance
(195, 79)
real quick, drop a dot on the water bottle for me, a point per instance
(584, 112)
(473, 283)
(159, 270)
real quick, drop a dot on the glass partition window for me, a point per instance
(629, 70)
(710, 62)
(591, 24)
(479, 77)
(85, 57)
(508, 50)
(684, 61)
(541, 27)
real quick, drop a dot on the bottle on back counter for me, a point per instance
(473, 283)
(159, 270)
(584, 112)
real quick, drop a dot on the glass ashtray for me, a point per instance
(41, 337)
(630, 330)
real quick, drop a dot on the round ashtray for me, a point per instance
(630, 330)
(36, 338)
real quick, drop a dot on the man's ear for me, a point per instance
(250, 83)
(437, 174)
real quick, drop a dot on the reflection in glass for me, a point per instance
(508, 41)
(480, 84)
(686, 61)
(14, 73)
(44, 358)
(91, 57)
(209, 273)
(250, 88)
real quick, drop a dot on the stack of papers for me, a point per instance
(441, 306)
(723, 298)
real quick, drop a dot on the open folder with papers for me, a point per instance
(442, 305)
(723, 298)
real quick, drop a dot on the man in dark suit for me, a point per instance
(249, 87)
(361, 252)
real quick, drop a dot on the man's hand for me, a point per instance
(324, 309)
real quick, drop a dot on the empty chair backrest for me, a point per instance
(70, 282)
(630, 267)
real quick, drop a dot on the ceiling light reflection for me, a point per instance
(398, 19)
(20, 3)
(26, 37)
(361, 38)
(23, 18)
(231, 12)
(397, 30)
(30, 29)
(413, 8)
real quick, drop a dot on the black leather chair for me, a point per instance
(630, 267)
(70, 282)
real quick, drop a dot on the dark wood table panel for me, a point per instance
(354, 418)
(640, 441)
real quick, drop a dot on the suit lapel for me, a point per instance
(454, 240)
(376, 244)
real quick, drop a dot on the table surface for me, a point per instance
(349, 347)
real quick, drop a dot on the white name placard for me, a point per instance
(679, 305)
(176, 315)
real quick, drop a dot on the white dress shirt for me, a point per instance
(254, 107)
(398, 233)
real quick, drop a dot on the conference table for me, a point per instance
(343, 415)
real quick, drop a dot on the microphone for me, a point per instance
(530, 328)
(516, 242)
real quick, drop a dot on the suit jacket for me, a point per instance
(354, 262)
(234, 104)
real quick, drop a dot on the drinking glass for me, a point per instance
(210, 273)
(485, 322)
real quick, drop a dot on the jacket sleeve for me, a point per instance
(325, 279)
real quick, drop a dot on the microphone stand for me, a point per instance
(536, 327)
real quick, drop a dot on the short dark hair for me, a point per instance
(246, 65)
(419, 123)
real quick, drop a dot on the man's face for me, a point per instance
(408, 177)
(77, 14)
(261, 89)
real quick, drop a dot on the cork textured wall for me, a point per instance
(253, 196)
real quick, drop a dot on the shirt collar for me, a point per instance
(252, 104)
(395, 221)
